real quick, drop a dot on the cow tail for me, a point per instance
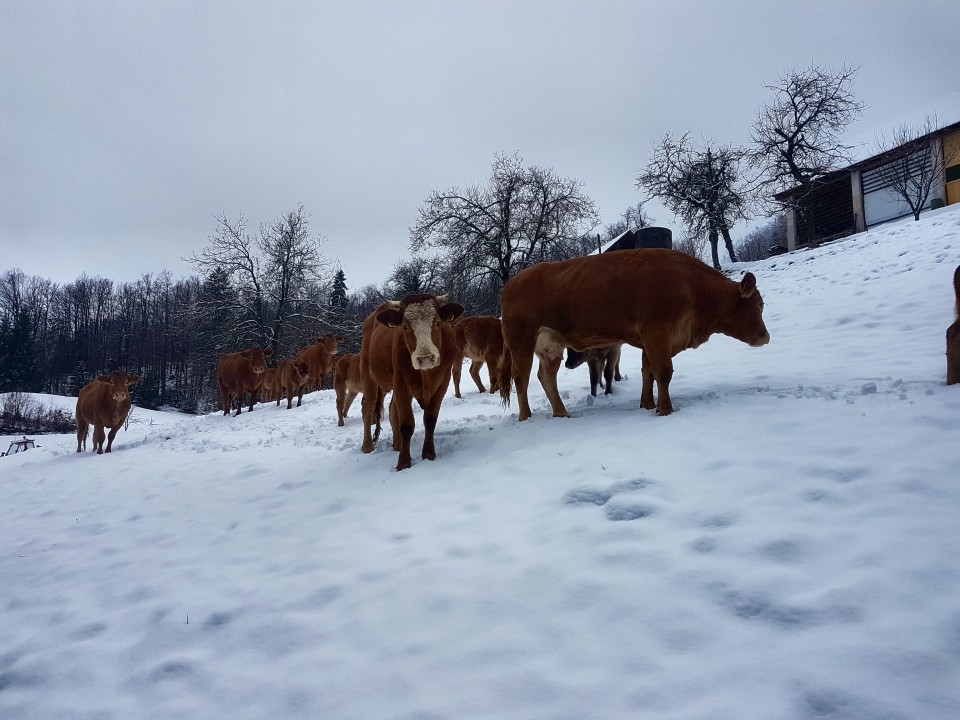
(504, 373)
(956, 289)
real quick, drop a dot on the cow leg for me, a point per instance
(279, 393)
(395, 426)
(253, 399)
(401, 413)
(608, 375)
(549, 348)
(300, 396)
(646, 392)
(457, 369)
(98, 437)
(493, 372)
(475, 366)
(82, 429)
(593, 367)
(430, 414)
(348, 401)
(368, 410)
(661, 370)
(240, 397)
(224, 398)
(111, 436)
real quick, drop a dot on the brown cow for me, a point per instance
(240, 373)
(346, 383)
(271, 389)
(292, 378)
(603, 364)
(664, 301)
(103, 403)
(320, 357)
(480, 339)
(953, 337)
(408, 347)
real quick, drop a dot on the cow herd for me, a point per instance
(660, 301)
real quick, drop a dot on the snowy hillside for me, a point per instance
(784, 546)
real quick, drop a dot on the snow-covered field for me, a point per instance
(784, 546)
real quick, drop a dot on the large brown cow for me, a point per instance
(240, 373)
(953, 337)
(481, 340)
(660, 300)
(346, 383)
(603, 364)
(408, 347)
(292, 379)
(320, 358)
(103, 403)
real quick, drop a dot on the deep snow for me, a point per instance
(784, 546)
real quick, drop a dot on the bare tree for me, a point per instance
(518, 218)
(270, 273)
(918, 163)
(796, 135)
(633, 217)
(701, 185)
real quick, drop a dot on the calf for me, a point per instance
(270, 390)
(953, 336)
(346, 383)
(408, 347)
(481, 340)
(240, 373)
(666, 302)
(103, 403)
(320, 358)
(603, 362)
(292, 379)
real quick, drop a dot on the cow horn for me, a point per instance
(394, 303)
(443, 298)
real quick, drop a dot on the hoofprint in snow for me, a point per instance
(783, 546)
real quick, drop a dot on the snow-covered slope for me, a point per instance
(783, 546)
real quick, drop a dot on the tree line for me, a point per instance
(272, 286)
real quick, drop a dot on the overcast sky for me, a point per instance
(126, 127)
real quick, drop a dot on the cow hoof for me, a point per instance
(430, 456)
(403, 465)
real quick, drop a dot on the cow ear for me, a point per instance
(133, 379)
(748, 285)
(103, 378)
(390, 318)
(268, 352)
(451, 311)
(339, 338)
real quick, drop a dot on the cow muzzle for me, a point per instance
(426, 362)
(761, 341)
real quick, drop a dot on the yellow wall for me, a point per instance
(951, 150)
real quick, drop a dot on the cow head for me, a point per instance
(745, 322)
(329, 343)
(258, 358)
(119, 383)
(302, 368)
(419, 317)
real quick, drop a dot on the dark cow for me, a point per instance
(292, 379)
(103, 403)
(408, 347)
(320, 357)
(479, 339)
(346, 383)
(603, 364)
(953, 336)
(240, 373)
(662, 300)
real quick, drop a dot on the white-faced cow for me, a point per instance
(602, 363)
(953, 337)
(660, 300)
(408, 347)
(103, 403)
(240, 373)
(478, 338)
